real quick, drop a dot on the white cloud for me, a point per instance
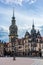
(4, 33)
(25, 27)
(20, 2)
(5, 28)
(32, 1)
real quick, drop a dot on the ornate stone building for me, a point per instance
(34, 41)
(30, 45)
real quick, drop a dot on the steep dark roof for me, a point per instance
(27, 34)
(38, 34)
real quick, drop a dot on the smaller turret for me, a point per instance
(33, 33)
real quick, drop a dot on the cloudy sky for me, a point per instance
(25, 12)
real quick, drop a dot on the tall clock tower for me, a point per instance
(13, 30)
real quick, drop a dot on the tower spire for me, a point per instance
(33, 24)
(13, 11)
(13, 14)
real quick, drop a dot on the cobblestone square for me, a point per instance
(20, 61)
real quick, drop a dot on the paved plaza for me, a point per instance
(21, 61)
